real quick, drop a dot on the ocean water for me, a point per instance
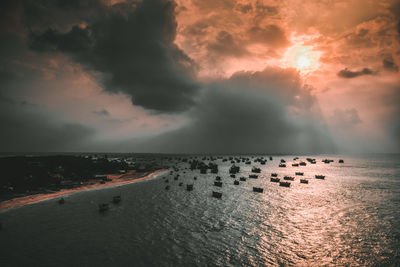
(352, 218)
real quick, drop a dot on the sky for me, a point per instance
(200, 76)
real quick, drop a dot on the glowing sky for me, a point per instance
(200, 76)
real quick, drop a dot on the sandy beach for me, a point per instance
(127, 178)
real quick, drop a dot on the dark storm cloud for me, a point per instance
(232, 121)
(136, 52)
(25, 128)
(248, 113)
(346, 73)
(389, 64)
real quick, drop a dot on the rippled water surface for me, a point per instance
(350, 218)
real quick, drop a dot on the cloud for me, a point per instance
(270, 35)
(346, 73)
(25, 128)
(102, 112)
(244, 8)
(248, 113)
(389, 64)
(225, 45)
(345, 118)
(231, 121)
(136, 53)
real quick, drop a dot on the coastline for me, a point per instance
(116, 181)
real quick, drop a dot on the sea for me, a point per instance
(350, 218)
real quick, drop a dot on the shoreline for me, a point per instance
(31, 199)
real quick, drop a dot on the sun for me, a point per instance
(302, 58)
(303, 62)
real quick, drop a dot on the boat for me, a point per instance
(289, 178)
(189, 187)
(103, 207)
(233, 176)
(242, 179)
(236, 182)
(303, 163)
(303, 181)
(117, 199)
(254, 176)
(274, 174)
(285, 184)
(282, 165)
(61, 201)
(283, 161)
(275, 180)
(320, 176)
(295, 165)
(217, 183)
(300, 173)
(258, 189)
(270, 158)
(216, 194)
(218, 178)
(341, 161)
(234, 169)
(256, 170)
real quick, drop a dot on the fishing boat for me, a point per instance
(236, 182)
(320, 176)
(189, 187)
(289, 178)
(300, 173)
(217, 183)
(216, 194)
(103, 207)
(303, 181)
(275, 180)
(285, 184)
(254, 176)
(258, 189)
